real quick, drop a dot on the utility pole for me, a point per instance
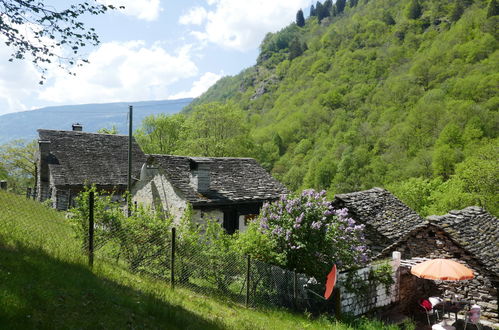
(129, 182)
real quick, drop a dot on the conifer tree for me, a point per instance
(340, 6)
(319, 9)
(353, 3)
(300, 19)
(328, 4)
(313, 11)
(493, 8)
(414, 11)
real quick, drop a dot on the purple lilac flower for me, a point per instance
(316, 225)
(299, 219)
(277, 231)
(288, 235)
(328, 212)
(342, 212)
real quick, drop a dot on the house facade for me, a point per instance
(230, 190)
(70, 160)
(469, 236)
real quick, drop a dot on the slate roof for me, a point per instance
(232, 180)
(475, 230)
(387, 219)
(78, 157)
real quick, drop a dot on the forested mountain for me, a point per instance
(23, 125)
(395, 93)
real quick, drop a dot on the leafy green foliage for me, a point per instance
(39, 31)
(376, 102)
(18, 164)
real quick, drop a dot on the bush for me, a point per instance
(306, 234)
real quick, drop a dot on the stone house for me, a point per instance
(386, 218)
(469, 236)
(69, 160)
(231, 190)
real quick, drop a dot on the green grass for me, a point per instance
(46, 284)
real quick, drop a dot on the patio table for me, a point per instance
(450, 306)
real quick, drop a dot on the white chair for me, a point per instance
(473, 317)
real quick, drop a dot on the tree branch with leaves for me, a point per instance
(34, 29)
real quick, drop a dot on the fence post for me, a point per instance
(28, 193)
(337, 303)
(295, 289)
(91, 229)
(248, 279)
(172, 274)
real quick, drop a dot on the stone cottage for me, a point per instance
(69, 160)
(469, 236)
(386, 218)
(231, 190)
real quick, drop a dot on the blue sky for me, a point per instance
(152, 50)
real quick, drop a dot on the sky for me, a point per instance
(151, 50)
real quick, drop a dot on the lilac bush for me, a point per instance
(312, 234)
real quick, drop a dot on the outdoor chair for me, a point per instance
(473, 317)
(426, 306)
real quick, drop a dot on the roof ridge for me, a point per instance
(76, 132)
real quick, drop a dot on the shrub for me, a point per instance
(307, 234)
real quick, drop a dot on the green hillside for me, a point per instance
(45, 283)
(395, 93)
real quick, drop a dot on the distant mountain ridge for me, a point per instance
(23, 125)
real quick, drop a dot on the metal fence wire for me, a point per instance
(166, 255)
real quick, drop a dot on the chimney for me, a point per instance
(44, 156)
(200, 174)
(77, 127)
(148, 171)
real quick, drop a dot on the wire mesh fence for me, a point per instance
(157, 250)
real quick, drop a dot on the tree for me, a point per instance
(457, 12)
(340, 6)
(161, 133)
(321, 12)
(414, 10)
(35, 29)
(300, 19)
(313, 11)
(493, 8)
(388, 18)
(295, 49)
(328, 5)
(113, 130)
(217, 130)
(19, 160)
(353, 3)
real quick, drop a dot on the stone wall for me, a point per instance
(432, 242)
(159, 193)
(378, 294)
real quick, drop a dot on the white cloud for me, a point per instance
(120, 71)
(147, 10)
(241, 25)
(18, 83)
(195, 16)
(199, 86)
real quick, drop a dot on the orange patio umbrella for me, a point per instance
(442, 269)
